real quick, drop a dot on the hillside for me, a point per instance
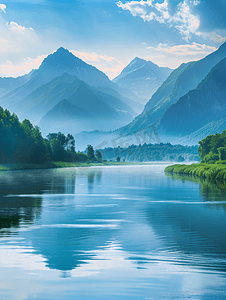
(199, 107)
(63, 117)
(56, 64)
(180, 81)
(7, 84)
(142, 77)
(210, 128)
(80, 94)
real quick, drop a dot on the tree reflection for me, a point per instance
(210, 191)
(14, 211)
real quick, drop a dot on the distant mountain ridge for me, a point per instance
(159, 102)
(205, 104)
(63, 116)
(168, 114)
(177, 84)
(54, 65)
(63, 61)
(7, 84)
(89, 99)
(211, 128)
(142, 77)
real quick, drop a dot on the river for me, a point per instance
(120, 232)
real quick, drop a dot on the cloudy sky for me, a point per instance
(108, 33)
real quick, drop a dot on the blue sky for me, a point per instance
(109, 34)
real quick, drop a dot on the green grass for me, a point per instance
(212, 172)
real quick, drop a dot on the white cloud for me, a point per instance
(182, 19)
(172, 56)
(217, 38)
(2, 7)
(15, 38)
(16, 27)
(108, 64)
(9, 69)
(184, 50)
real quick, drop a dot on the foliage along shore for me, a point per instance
(212, 152)
(55, 165)
(211, 172)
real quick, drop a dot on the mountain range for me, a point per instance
(54, 65)
(66, 94)
(62, 76)
(188, 103)
(7, 84)
(142, 77)
(205, 104)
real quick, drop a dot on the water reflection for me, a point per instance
(37, 182)
(209, 191)
(63, 247)
(130, 226)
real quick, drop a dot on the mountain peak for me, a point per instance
(62, 61)
(62, 49)
(138, 59)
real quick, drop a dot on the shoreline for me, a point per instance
(54, 165)
(211, 172)
(60, 165)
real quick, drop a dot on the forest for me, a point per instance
(212, 148)
(22, 142)
(152, 152)
(212, 152)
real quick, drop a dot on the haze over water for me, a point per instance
(121, 232)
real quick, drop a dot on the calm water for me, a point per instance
(127, 232)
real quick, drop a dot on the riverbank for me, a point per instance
(206, 171)
(54, 165)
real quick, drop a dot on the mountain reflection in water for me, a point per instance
(73, 219)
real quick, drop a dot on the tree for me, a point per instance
(118, 158)
(70, 143)
(57, 143)
(90, 152)
(222, 153)
(98, 156)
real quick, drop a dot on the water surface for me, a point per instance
(120, 232)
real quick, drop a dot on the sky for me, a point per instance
(109, 33)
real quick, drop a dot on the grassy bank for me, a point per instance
(206, 171)
(52, 165)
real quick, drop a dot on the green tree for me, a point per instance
(118, 158)
(70, 143)
(58, 142)
(98, 156)
(90, 152)
(222, 153)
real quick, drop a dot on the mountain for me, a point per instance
(63, 116)
(176, 84)
(54, 65)
(205, 104)
(159, 102)
(65, 111)
(211, 128)
(7, 84)
(78, 93)
(142, 77)
(60, 62)
(118, 93)
(180, 81)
